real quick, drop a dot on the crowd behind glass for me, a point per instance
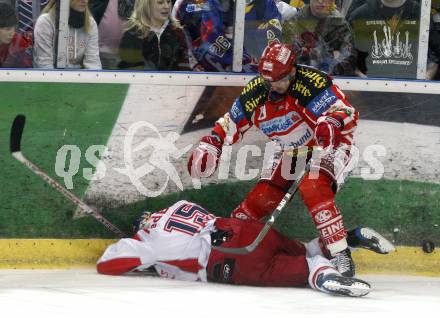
(374, 38)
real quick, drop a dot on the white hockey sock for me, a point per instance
(313, 248)
(336, 247)
(317, 265)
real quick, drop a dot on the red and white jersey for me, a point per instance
(176, 242)
(289, 119)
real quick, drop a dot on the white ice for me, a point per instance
(83, 293)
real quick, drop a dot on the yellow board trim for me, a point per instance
(50, 253)
(78, 253)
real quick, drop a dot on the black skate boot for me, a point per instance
(344, 263)
(364, 237)
(340, 285)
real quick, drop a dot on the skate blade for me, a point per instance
(382, 244)
(352, 289)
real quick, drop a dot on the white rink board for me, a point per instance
(203, 79)
(83, 293)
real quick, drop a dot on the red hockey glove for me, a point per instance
(204, 159)
(328, 133)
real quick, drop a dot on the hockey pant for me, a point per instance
(317, 190)
(277, 261)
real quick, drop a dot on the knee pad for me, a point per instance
(316, 191)
(261, 201)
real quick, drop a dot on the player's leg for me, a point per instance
(319, 198)
(288, 265)
(267, 194)
(277, 261)
(260, 201)
(318, 193)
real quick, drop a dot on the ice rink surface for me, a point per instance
(83, 293)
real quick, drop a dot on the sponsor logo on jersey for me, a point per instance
(301, 88)
(253, 94)
(252, 84)
(236, 112)
(280, 124)
(304, 139)
(322, 102)
(318, 80)
(323, 216)
(253, 103)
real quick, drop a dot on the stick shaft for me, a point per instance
(69, 195)
(287, 197)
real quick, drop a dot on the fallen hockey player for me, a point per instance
(179, 243)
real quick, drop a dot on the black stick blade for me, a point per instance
(17, 132)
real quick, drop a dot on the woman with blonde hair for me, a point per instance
(82, 45)
(152, 41)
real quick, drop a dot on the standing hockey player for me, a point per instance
(295, 106)
(178, 243)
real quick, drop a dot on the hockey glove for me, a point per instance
(328, 133)
(204, 159)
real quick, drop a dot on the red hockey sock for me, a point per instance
(318, 196)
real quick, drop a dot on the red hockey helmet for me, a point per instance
(276, 62)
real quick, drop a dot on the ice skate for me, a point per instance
(344, 263)
(339, 285)
(364, 237)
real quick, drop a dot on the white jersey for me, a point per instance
(177, 243)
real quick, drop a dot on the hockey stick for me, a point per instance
(15, 148)
(287, 197)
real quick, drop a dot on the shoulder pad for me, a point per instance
(254, 94)
(313, 77)
(312, 88)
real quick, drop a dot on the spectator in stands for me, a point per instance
(27, 13)
(433, 69)
(15, 49)
(262, 26)
(153, 41)
(386, 37)
(82, 46)
(110, 15)
(287, 10)
(300, 3)
(208, 25)
(323, 37)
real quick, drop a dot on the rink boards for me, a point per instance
(78, 253)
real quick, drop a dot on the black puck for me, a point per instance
(428, 246)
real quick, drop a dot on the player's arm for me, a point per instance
(228, 130)
(336, 119)
(125, 256)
